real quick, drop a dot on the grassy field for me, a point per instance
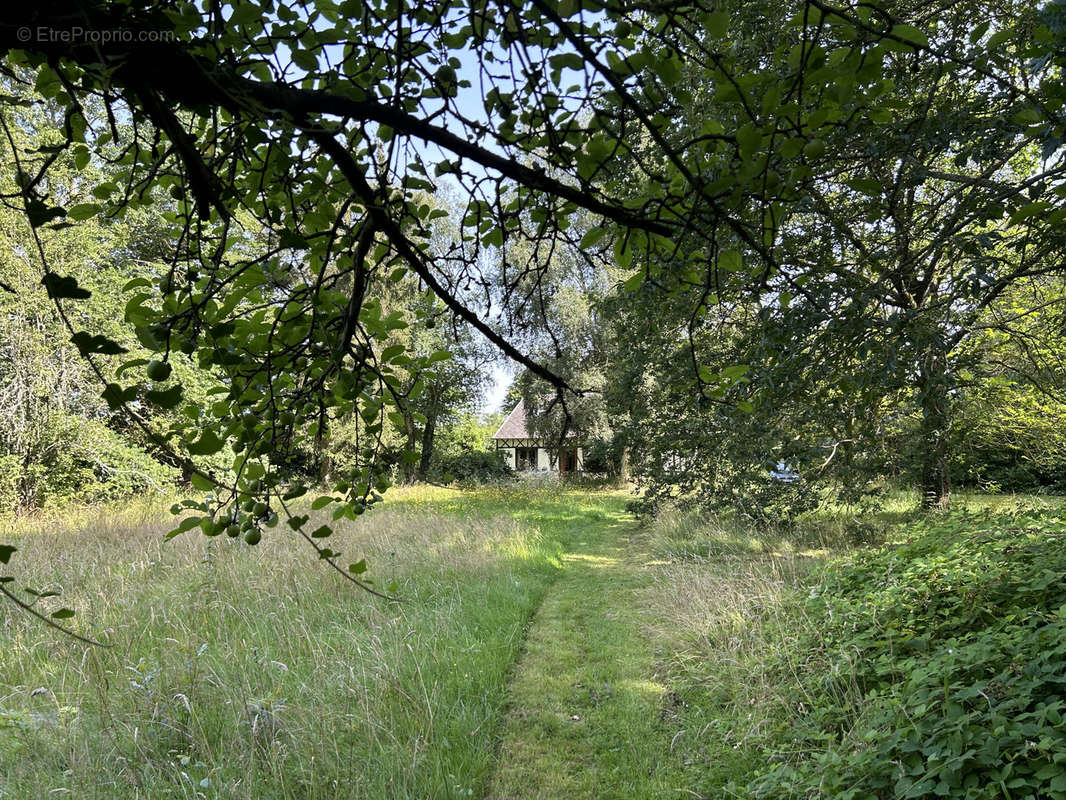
(254, 672)
(546, 646)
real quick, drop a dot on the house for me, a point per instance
(524, 453)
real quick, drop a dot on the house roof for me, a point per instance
(514, 427)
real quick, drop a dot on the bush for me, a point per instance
(477, 466)
(935, 669)
(79, 461)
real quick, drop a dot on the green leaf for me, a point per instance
(185, 525)
(116, 396)
(669, 70)
(206, 445)
(6, 551)
(730, 261)
(201, 482)
(867, 186)
(591, 238)
(39, 214)
(567, 61)
(292, 240)
(321, 502)
(717, 23)
(634, 281)
(358, 568)
(910, 34)
(295, 492)
(390, 352)
(83, 211)
(1028, 211)
(165, 398)
(749, 139)
(63, 287)
(89, 344)
(63, 613)
(81, 157)
(131, 364)
(734, 372)
(321, 532)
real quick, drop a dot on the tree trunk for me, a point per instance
(428, 433)
(412, 439)
(623, 468)
(935, 401)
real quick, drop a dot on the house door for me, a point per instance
(567, 461)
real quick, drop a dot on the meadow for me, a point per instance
(234, 671)
(544, 645)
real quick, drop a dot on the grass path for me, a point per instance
(586, 715)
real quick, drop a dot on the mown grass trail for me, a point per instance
(586, 713)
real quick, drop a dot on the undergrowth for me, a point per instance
(821, 662)
(934, 669)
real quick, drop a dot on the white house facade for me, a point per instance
(526, 453)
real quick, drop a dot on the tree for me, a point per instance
(928, 193)
(289, 164)
(58, 438)
(290, 159)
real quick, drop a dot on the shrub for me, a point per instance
(478, 466)
(935, 669)
(78, 460)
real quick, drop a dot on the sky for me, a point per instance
(500, 379)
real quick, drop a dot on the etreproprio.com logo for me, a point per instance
(78, 35)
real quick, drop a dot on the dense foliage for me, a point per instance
(933, 669)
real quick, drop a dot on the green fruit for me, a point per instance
(253, 536)
(260, 509)
(814, 148)
(158, 370)
(233, 530)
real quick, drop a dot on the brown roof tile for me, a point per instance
(514, 427)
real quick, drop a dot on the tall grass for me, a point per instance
(244, 672)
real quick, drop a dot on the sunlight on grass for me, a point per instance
(599, 562)
(642, 687)
(245, 672)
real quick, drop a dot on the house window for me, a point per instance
(567, 461)
(525, 458)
